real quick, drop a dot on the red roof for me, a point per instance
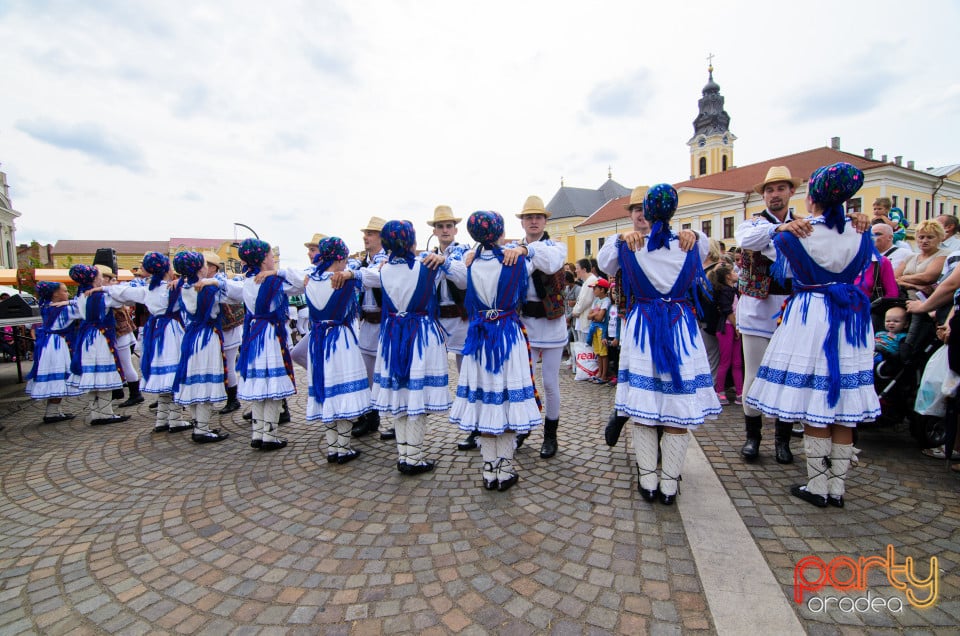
(743, 179)
(202, 243)
(139, 248)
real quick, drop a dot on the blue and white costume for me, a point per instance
(495, 393)
(818, 367)
(162, 339)
(201, 374)
(52, 354)
(664, 375)
(454, 327)
(338, 377)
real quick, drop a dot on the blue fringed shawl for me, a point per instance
(488, 330)
(662, 316)
(255, 324)
(155, 330)
(401, 331)
(846, 304)
(51, 315)
(98, 319)
(199, 325)
(325, 325)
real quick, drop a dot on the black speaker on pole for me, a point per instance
(106, 256)
(16, 307)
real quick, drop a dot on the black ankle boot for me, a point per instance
(233, 404)
(284, 414)
(135, 396)
(751, 448)
(549, 447)
(781, 442)
(469, 442)
(614, 427)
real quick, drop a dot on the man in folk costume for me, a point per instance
(162, 335)
(495, 393)
(231, 324)
(543, 312)
(450, 297)
(47, 379)
(641, 226)
(826, 334)
(665, 377)
(411, 377)
(95, 368)
(370, 315)
(761, 298)
(201, 373)
(125, 342)
(301, 351)
(338, 379)
(264, 365)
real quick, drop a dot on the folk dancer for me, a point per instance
(410, 377)
(496, 394)
(338, 379)
(664, 376)
(201, 373)
(826, 334)
(95, 368)
(542, 312)
(47, 379)
(162, 336)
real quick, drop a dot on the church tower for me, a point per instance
(711, 147)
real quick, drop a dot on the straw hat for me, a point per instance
(211, 258)
(636, 197)
(533, 205)
(375, 225)
(105, 271)
(775, 174)
(315, 241)
(443, 214)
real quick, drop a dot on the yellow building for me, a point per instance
(719, 195)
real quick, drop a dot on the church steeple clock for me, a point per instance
(711, 147)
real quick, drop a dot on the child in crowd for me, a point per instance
(613, 334)
(887, 342)
(597, 336)
(724, 281)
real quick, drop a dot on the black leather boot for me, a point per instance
(781, 442)
(469, 442)
(614, 427)
(135, 396)
(549, 447)
(233, 404)
(751, 448)
(284, 414)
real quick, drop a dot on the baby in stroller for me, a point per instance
(887, 342)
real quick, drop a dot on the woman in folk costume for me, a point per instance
(410, 374)
(496, 394)
(264, 365)
(339, 390)
(95, 367)
(201, 373)
(162, 336)
(664, 376)
(48, 377)
(818, 368)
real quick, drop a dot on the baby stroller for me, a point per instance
(897, 378)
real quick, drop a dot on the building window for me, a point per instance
(906, 207)
(926, 213)
(684, 226)
(916, 210)
(894, 200)
(728, 227)
(855, 205)
(941, 208)
(724, 163)
(703, 166)
(705, 227)
(600, 242)
(586, 248)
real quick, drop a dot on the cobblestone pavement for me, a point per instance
(118, 530)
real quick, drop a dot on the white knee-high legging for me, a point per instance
(550, 370)
(753, 349)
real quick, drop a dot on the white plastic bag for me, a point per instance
(931, 399)
(586, 365)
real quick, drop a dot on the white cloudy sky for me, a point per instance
(144, 120)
